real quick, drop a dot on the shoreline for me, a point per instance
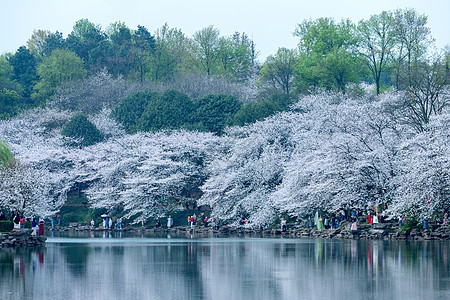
(379, 231)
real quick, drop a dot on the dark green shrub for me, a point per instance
(169, 110)
(82, 130)
(214, 112)
(130, 109)
(6, 226)
(257, 111)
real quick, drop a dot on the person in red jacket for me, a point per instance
(41, 227)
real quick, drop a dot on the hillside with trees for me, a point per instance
(142, 122)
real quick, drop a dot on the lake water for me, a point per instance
(116, 267)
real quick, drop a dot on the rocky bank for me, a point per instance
(380, 231)
(21, 238)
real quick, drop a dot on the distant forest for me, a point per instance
(391, 50)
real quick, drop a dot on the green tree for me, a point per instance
(24, 67)
(278, 71)
(376, 40)
(130, 109)
(236, 56)
(9, 103)
(170, 54)
(6, 75)
(37, 40)
(83, 28)
(52, 42)
(143, 47)
(61, 66)
(205, 49)
(214, 112)
(122, 44)
(82, 131)
(327, 56)
(169, 110)
(89, 42)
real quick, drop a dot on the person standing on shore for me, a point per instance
(333, 222)
(444, 221)
(425, 223)
(41, 227)
(354, 226)
(17, 221)
(283, 224)
(320, 224)
(375, 219)
(34, 227)
(169, 222)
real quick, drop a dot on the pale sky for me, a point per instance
(271, 23)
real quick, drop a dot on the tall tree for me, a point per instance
(89, 42)
(170, 54)
(412, 40)
(376, 40)
(144, 45)
(37, 41)
(206, 49)
(24, 66)
(278, 70)
(122, 44)
(427, 93)
(52, 42)
(327, 54)
(7, 74)
(61, 66)
(236, 56)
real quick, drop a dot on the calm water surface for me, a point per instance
(117, 267)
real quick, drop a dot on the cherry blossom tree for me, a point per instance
(149, 175)
(243, 177)
(423, 186)
(39, 182)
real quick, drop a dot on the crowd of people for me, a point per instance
(354, 216)
(334, 220)
(193, 220)
(321, 221)
(19, 222)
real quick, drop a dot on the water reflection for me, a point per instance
(112, 267)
